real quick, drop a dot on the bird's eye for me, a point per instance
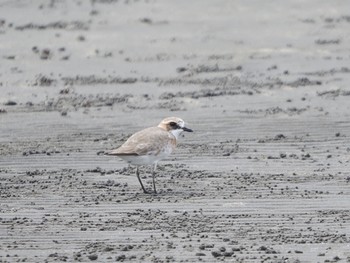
(173, 124)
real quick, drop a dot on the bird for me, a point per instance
(150, 145)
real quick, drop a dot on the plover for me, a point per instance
(151, 145)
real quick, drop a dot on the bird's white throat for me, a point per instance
(176, 133)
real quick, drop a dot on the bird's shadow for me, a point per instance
(163, 194)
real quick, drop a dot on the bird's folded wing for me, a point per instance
(148, 141)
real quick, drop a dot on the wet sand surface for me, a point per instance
(265, 86)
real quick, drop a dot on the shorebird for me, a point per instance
(151, 145)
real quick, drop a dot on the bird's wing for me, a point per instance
(147, 141)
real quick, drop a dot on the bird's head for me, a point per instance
(174, 125)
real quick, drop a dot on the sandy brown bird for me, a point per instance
(151, 145)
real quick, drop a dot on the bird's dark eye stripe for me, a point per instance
(173, 124)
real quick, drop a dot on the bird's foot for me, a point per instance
(150, 192)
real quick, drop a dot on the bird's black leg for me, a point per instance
(153, 178)
(138, 177)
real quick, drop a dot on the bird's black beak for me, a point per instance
(187, 129)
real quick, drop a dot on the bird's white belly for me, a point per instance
(147, 159)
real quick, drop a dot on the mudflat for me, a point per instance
(263, 84)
